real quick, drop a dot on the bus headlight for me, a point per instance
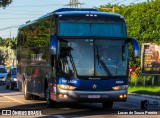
(121, 87)
(66, 87)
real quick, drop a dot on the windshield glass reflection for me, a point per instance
(80, 56)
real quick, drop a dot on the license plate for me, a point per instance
(93, 96)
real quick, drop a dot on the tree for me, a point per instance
(1, 41)
(5, 3)
(143, 22)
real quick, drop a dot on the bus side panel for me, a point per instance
(33, 55)
(23, 66)
(40, 69)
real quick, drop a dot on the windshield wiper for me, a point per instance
(71, 58)
(104, 66)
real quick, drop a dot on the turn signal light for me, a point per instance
(121, 87)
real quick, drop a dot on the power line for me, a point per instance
(132, 2)
(6, 28)
(18, 18)
(23, 10)
(38, 5)
(135, 1)
(112, 1)
(121, 1)
(21, 14)
(118, 2)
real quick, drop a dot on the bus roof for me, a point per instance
(67, 11)
(74, 11)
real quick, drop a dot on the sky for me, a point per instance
(21, 11)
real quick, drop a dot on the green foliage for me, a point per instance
(9, 42)
(143, 22)
(148, 80)
(2, 58)
(5, 3)
(150, 90)
(7, 50)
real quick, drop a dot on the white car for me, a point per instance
(3, 74)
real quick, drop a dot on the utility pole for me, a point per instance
(10, 34)
(74, 4)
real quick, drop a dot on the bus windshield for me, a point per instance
(83, 57)
(101, 28)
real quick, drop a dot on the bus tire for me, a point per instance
(107, 105)
(50, 103)
(27, 95)
(35, 97)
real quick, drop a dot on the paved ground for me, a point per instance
(13, 102)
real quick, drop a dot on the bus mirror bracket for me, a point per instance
(135, 47)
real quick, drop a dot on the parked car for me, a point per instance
(3, 74)
(11, 78)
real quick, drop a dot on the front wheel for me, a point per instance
(50, 103)
(107, 105)
(35, 97)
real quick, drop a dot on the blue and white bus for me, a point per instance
(75, 55)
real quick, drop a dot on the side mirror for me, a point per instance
(53, 44)
(135, 46)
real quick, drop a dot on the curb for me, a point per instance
(145, 95)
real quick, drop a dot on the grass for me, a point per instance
(149, 90)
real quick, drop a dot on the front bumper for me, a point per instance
(91, 96)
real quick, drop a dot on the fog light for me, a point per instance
(125, 95)
(65, 96)
(121, 96)
(60, 95)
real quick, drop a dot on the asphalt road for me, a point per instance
(12, 103)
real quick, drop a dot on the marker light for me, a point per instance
(121, 87)
(125, 95)
(66, 87)
(65, 96)
(60, 95)
(121, 96)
